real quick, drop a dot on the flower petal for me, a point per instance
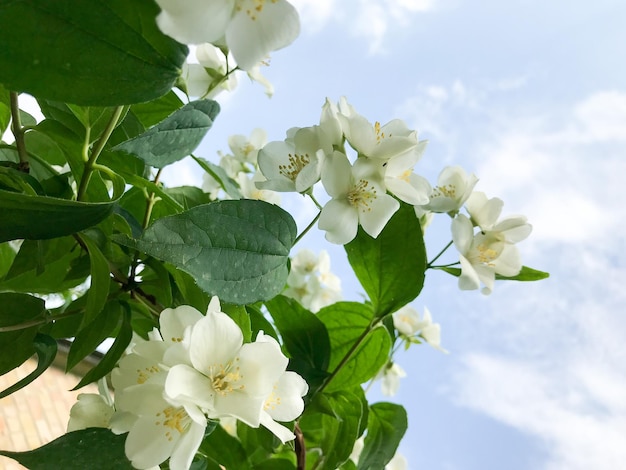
(382, 209)
(215, 339)
(340, 221)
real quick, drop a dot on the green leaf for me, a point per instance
(41, 217)
(5, 109)
(175, 137)
(44, 44)
(237, 250)
(46, 349)
(386, 425)
(258, 443)
(258, 322)
(108, 362)
(526, 274)
(240, 316)
(391, 267)
(225, 450)
(92, 448)
(89, 338)
(47, 266)
(349, 323)
(332, 424)
(7, 255)
(100, 280)
(218, 173)
(305, 339)
(17, 345)
(155, 111)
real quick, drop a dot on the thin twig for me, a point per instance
(18, 133)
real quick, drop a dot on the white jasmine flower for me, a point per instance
(453, 188)
(206, 78)
(90, 411)
(329, 122)
(373, 140)
(357, 198)
(408, 322)
(158, 429)
(294, 165)
(392, 373)
(485, 213)
(246, 149)
(483, 255)
(226, 377)
(285, 402)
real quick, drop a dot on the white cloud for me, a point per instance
(370, 19)
(560, 371)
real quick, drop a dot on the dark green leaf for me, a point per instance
(5, 109)
(108, 362)
(526, 274)
(237, 250)
(305, 338)
(387, 423)
(41, 217)
(17, 345)
(257, 442)
(44, 45)
(223, 449)
(100, 281)
(348, 323)
(46, 349)
(333, 431)
(240, 316)
(391, 267)
(7, 255)
(175, 137)
(98, 330)
(155, 111)
(92, 448)
(258, 322)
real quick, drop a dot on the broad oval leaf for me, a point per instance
(390, 267)
(237, 250)
(175, 137)
(358, 351)
(42, 218)
(92, 448)
(305, 338)
(87, 52)
(387, 423)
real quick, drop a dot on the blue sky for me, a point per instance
(531, 96)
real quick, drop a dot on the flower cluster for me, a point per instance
(386, 155)
(194, 369)
(311, 282)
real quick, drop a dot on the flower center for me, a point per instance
(252, 7)
(144, 374)
(226, 378)
(295, 166)
(175, 419)
(362, 195)
(379, 134)
(448, 190)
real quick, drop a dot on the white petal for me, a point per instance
(195, 21)
(174, 321)
(281, 432)
(340, 221)
(462, 233)
(285, 401)
(187, 446)
(337, 174)
(253, 33)
(186, 385)
(382, 209)
(215, 339)
(469, 277)
(147, 444)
